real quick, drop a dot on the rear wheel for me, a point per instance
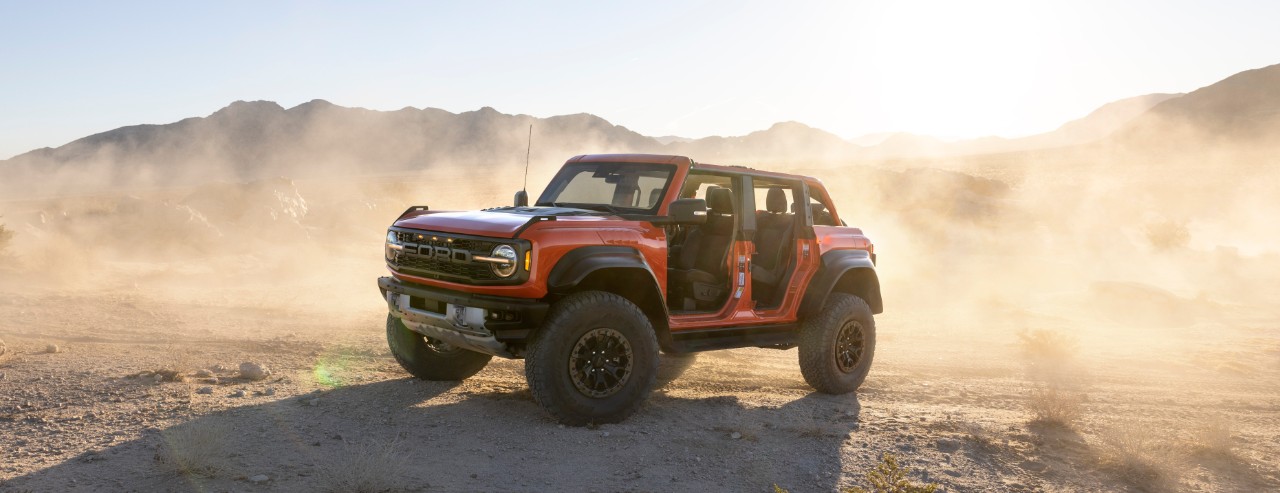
(431, 359)
(837, 345)
(594, 361)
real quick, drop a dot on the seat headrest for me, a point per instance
(720, 200)
(655, 196)
(776, 201)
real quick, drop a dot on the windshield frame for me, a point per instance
(558, 183)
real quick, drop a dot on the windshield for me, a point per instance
(609, 187)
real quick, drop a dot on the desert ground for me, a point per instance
(1019, 351)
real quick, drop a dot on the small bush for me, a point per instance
(1050, 405)
(887, 477)
(368, 466)
(1131, 449)
(1216, 436)
(1041, 346)
(194, 450)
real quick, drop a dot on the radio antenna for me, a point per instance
(527, 150)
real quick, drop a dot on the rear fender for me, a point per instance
(843, 271)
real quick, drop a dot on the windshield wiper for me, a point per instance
(607, 208)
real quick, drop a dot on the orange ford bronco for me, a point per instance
(624, 256)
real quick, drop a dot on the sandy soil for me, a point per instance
(1083, 332)
(949, 399)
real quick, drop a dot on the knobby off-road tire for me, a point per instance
(837, 345)
(431, 361)
(594, 361)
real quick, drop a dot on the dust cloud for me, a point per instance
(1158, 262)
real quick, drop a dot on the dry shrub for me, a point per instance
(1132, 450)
(1216, 436)
(1047, 347)
(887, 477)
(979, 436)
(365, 466)
(1052, 406)
(1050, 365)
(194, 449)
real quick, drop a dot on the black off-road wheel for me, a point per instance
(837, 345)
(594, 361)
(431, 359)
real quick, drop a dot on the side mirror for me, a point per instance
(522, 199)
(688, 211)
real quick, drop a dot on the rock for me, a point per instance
(604, 433)
(735, 435)
(254, 371)
(204, 374)
(270, 391)
(313, 402)
(204, 390)
(238, 393)
(3, 348)
(947, 445)
(52, 349)
(261, 478)
(210, 380)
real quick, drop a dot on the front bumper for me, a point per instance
(488, 324)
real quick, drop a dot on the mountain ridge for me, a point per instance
(248, 140)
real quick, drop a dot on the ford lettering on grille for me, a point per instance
(445, 257)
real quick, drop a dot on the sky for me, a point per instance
(687, 68)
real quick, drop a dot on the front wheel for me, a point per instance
(594, 361)
(837, 344)
(430, 359)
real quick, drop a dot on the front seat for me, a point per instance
(698, 276)
(775, 243)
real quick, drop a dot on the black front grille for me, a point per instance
(473, 245)
(444, 257)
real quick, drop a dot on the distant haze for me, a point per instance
(690, 69)
(262, 139)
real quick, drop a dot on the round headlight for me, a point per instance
(505, 252)
(391, 238)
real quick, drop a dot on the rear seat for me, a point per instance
(775, 241)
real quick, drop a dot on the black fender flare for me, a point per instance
(581, 262)
(835, 264)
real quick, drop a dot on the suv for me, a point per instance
(623, 256)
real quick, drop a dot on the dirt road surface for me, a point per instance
(950, 401)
